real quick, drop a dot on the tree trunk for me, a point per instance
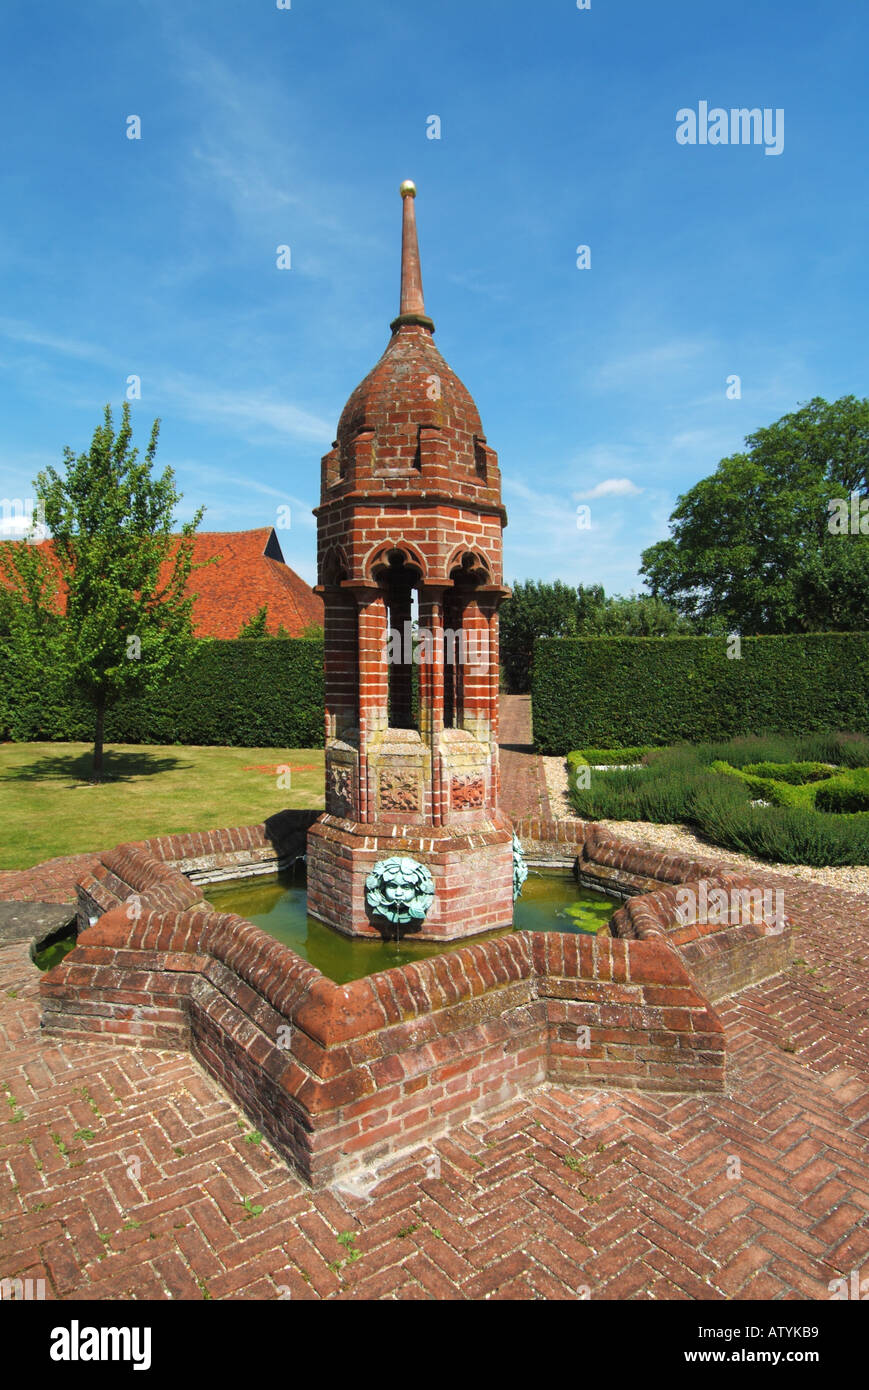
(97, 773)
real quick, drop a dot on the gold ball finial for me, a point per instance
(408, 189)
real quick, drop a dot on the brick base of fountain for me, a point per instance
(472, 874)
(340, 1075)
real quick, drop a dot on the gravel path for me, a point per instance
(853, 878)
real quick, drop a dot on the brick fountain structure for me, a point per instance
(411, 505)
(339, 1075)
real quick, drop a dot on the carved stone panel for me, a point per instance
(399, 791)
(467, 791)
(341, 798)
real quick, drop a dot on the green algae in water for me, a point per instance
(54, 948)
(278, 904)
(556, 902)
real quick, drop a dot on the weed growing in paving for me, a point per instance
(85, 1095)
(30, 1143)
(347, 1239)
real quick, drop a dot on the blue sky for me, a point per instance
(263, 127)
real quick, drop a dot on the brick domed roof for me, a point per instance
(411, 376)
(411, 427)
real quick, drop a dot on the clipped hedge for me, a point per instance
(795, 774)
(607, 757)
(245, 692)
(820, 823)
(609, 692)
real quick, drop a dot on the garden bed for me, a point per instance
(777, 800)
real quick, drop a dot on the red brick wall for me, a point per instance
(338, 1074)
(648, 1025)
(724, 953)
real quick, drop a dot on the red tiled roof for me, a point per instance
(248, 570)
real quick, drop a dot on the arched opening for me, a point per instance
(341, 648)
(399, 578)
(461, 638)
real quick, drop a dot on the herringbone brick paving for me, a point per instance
(51, 882)
(523, 780)
(126, 1171)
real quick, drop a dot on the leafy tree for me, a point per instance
(124, 572)
(751, 546)
(831, 588)
(540, 609)
(31, 646)
(535, 609)
(632, 615)
(256, 626)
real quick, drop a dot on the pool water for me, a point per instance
(54, 948)
(550, 902)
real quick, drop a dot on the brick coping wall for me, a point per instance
(729, 930)
(337, 1075)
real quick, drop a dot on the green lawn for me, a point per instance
(50, 808)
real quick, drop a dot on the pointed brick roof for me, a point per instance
(411, 401)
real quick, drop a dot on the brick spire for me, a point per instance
(412, 305)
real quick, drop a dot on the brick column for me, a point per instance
(341, 672)
(477, 683)
(431, 693)
(373, 682)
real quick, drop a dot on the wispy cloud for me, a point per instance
(19, 332)
(646, 366)
(551, 545)
(498, 292)
(13, 527)
(610, 487)
(245, 154)
(249, 410)
(222, 479)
